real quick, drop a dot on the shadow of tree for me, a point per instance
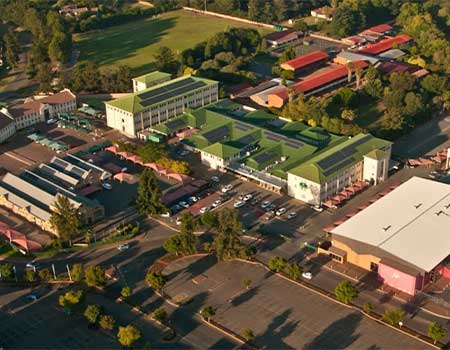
(244, 297)
(338, 335)
(279, 328)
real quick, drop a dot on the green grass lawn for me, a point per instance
(369, 113)
(134, 44)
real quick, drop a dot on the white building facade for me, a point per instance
(140, 111)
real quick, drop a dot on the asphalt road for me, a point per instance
(427, 139)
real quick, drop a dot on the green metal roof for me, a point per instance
(151, 77)
(132, 103)
(364, 144)
(221, 150)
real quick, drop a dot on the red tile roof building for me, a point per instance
(385, 44)
(314, 84)
(42, 109)
(282, 37)
(305, 61)
(380, 29)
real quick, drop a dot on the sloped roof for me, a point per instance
(305, 60)
(5, 120)
(381, 28)
(385, 44)
(318, 80)
(355, 149)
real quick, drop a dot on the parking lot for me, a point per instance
(43, 324)
(21, 153)
(288, 316)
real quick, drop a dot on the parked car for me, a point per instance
(280, 211)
(193, 199)
(215, 179)
(247, 197)
(307, 275)
(175, 208)
(178, 221)
(270, 207)
(254, 201)
(123, 246)
(239, 204)
(292, 215)
(204, 210)
(434, 175)
(183, 204)
(269, 215)
(265, 204)
(317, 208)
(166, 215)
(32, 297)
(107, 186)
(51, 121)
(32, 265)
(217, 203)
(227, 188)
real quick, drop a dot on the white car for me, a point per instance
(166, 215)
(204, 210)
(215, 179)
(107, 186)
(239, 204)
(124, 246)
(227, 188)
(217, 203)
(317, 208)
(32, 265)
(184, 205)
(178, 221)
(292, 215)
(280, 211)
(265, 204)
(193, 199)
(247, 197)
(307, 275)
(51, 121)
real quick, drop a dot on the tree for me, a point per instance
(29, 275)
(44, 76)
(65, 218)
(6, 271)
(95, 276)
(392, 120)
(280, 9)
(160, 315)
(60, 46)
(126, 292)
(288, 54)
(374, 88)
(12, 48)
(436, 332)
(227, 244)
(277, 263)
(187, 236)
(346, 292)
(348, 114)
(148, 200)
(45, 275)
(92, 313)
(368, 308)
(173, 245)
(413, 103)
(345, 22)
(71, 298)
(255, 9)
(248, 334)
(394, 317)
(156, 280)
(207, 312)
(128, 335)
(246, 283)
(209, 219)
(77, 272)
(107, 322)
(294, 271)
(165, 60)
(401, 81)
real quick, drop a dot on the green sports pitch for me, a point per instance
(134, 44)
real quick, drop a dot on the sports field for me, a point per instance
(134, 44)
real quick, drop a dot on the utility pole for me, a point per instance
(205, 5)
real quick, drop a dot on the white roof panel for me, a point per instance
(411, 222)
